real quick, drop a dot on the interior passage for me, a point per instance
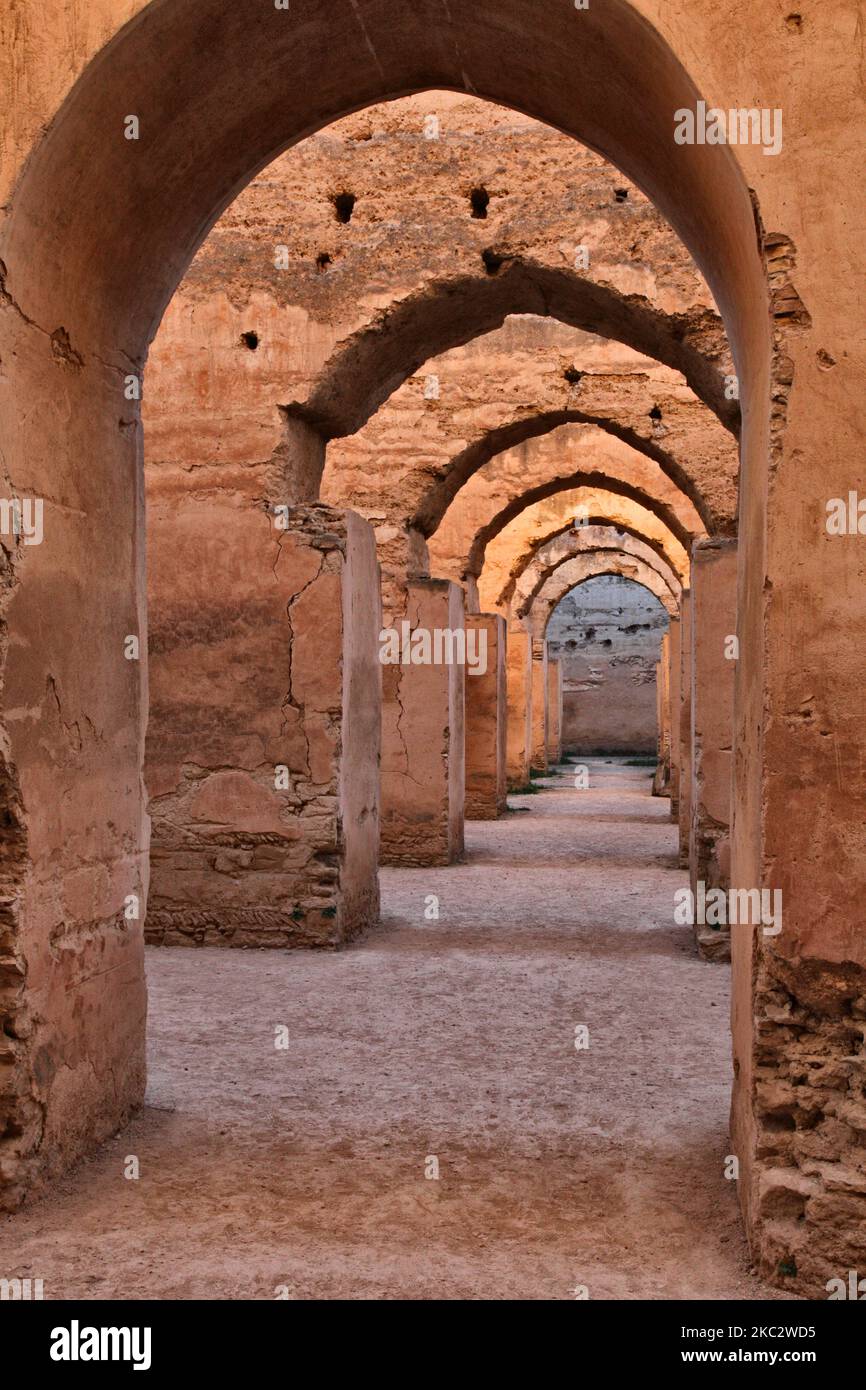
(300, 1103)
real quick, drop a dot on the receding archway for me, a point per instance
(514, 482)
(514, 547)
(529, 426)
(605, 622)
(97, 235)
(596, 544)
(556, 583)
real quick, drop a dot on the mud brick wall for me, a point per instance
(262, 753)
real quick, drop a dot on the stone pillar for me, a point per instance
(674, 705)
(519, 696)
(539, 706)
(423, 753)
(486, 719)
(685, 726)
(714, 626)
(662, 779)
(554, 711)
(263, 740)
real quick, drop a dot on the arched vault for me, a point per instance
(515, 545)
(598, 541)
(576, 571)
(569, 457)
(364, 371)
(97, 232)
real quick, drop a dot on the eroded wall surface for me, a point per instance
(714, 656)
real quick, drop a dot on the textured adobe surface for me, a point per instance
(423, 740)
(264, 778)
(714, 621)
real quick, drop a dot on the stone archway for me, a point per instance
(96, 237)
(622, 401)
(556, 583)
(515, 545)
(543, 576)
(444, 315)
(570, 457)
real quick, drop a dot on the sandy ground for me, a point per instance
(303, 1168)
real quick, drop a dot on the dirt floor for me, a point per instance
(268, 1171)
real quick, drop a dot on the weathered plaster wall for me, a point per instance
(518, 672)
(262, 766)
(486, 716)
(411, 228)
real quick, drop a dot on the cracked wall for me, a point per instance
(262, 755)
(808, 1186)
(518, 672)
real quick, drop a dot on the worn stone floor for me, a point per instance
(300, 1170)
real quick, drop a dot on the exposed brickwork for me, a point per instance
(810, 1109)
